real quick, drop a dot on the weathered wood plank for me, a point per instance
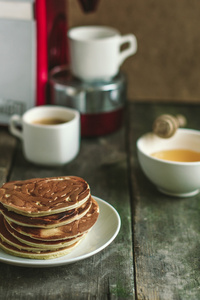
(166, 229)
(108, 274)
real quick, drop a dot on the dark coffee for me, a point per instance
(50, 121)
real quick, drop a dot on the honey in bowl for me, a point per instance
(178, 155)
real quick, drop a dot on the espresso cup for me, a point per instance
(96, 51)
(50, 134)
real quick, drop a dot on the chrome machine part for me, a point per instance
(87, 97)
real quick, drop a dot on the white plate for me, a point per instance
(101, 235)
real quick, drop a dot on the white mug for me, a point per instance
(50, 134)
(95, 51)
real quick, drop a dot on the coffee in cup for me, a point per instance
(50, 134)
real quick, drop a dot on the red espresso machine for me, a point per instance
(34, 67)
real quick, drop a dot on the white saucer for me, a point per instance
(101, 235)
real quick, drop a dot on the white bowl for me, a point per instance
(181, 179)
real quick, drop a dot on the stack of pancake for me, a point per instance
(44, 218)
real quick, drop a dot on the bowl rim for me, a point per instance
(195, 163)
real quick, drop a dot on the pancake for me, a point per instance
(44, 196)
(50, 221)
(10, 236)
(71, 230)
(45, 218)
(36, 255)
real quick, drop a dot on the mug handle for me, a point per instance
(14, 121)
(131, 39)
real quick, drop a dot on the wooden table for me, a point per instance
(156, 255)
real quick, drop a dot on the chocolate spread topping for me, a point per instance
(73, 229)
(53, 220)
(44, 196)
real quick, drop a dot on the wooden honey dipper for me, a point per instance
(166, 125)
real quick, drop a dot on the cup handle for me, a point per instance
(131, 39)
(15, 121)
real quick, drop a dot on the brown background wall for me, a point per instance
(167, 64)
